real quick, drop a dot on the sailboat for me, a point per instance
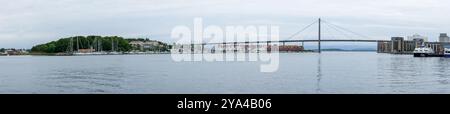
(97, 50)
(81, 52)
(98, 47)
(114, 47)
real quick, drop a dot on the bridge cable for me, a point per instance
(328, 31)
(302, 30)
(340, 31)
(343, 32)
(348, 30)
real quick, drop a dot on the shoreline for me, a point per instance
(159, 53)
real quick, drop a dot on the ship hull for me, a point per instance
(427, 55)
(447, 55)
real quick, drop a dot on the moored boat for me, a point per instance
(425, 52)
(447, 52)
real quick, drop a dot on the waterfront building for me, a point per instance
(398, 45)
(186, 48)
(290, 48)
(417, 37)
(251, 48)
(420, 40)
(231, 47)
(384, 47)
(86, 50)
(144, 45)
(14, 52)
(438, 47)
(444, 38)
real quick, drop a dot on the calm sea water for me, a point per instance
(329, 72)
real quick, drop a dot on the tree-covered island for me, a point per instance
(99, 44)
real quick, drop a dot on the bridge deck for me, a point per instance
(281, 41)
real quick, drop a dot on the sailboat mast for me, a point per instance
(117, 44)
(70, 47)
(112, 44)
(78, 45)
(100, 44)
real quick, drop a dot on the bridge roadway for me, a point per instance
(284, 41)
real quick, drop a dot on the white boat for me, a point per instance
(114, 53)
(424, 52)
(447, 52)
(99, 53)
(81, 54)
(89, 53)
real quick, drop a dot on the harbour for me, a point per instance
(416, 45)
(236, 56)
(328, 72)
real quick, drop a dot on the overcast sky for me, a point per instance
(24, 23)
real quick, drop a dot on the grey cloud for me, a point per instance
(24, 23)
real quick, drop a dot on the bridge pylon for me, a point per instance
(319, 36)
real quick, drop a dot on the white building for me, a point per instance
(144, 45)
(417, 37)
(242, 48)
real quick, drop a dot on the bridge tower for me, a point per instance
(319, 50)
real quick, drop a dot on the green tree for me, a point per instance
(82, 42)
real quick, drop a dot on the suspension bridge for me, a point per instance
(348, 36)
